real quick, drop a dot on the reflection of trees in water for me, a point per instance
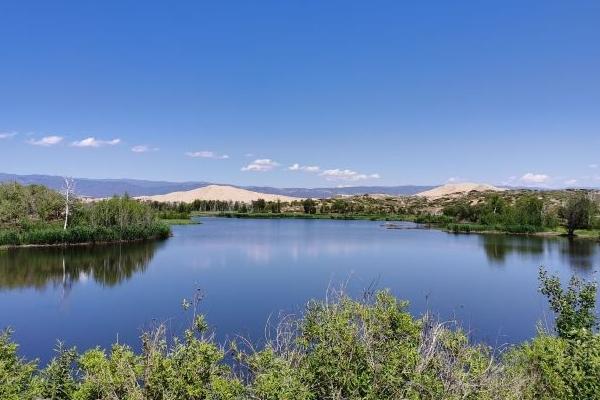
(498, 247)
(107, 265)
(579, 254)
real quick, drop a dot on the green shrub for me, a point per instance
(340, 349)
(17, 376)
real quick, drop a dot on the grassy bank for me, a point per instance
(83, 234)
(180, 221)
(258, 215)
(339, 349)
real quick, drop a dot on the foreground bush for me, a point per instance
(340, 349)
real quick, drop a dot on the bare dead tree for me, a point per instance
(68, 192)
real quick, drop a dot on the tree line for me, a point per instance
(528, 213)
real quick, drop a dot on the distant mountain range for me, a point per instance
(136, 187)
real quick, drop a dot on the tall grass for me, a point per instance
(83, 234)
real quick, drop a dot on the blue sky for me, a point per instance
(354, 93)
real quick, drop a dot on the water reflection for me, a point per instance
(107, 265)
(579, 254)
(499, 247)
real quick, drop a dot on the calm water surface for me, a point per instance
(249, 270)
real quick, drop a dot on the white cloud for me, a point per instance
(7, 135)
(143, 148)
(93, 142)
(46, 141)
(306, 168)
(207, 154)
(530, 177)
(593, 166)
(346, 175)
(261, 165)
(455, 179)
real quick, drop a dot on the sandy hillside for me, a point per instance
(457, 189)
(216, 192)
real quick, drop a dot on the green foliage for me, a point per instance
(495, 213)
(559, 368)
(33, 215)
(115, 376)
(275, 377)
(528, 211)
(340, 349)
(171, 214)
(578, 213)
(58, 378)
(26, 206)
(309, 206)
(84, 234)
(574, 307)
(17, 376)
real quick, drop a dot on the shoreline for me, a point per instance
(398, 218)
(21, 246)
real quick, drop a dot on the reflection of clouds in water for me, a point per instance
(259, 253)
(218, 254)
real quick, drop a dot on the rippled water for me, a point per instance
(249, 270)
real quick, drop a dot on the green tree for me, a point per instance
(259, 205)
(310, 206)
(528, 211)
(578, 212)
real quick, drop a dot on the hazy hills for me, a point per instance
(137, 187)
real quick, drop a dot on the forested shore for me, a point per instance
(568, 213)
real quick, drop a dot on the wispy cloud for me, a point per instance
(207, 154)
(93, 142)
(7, 135)
(305, 168)
(531, 177)
(456, 179)
(143, 148)
(346, 175)
(261, 165)
(593, 166)
(46, 141)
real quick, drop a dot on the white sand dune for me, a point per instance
(216, 192)
(456, 189)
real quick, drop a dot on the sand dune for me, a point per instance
(216, 192)
(456, 189)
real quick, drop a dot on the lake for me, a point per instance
(248, 271)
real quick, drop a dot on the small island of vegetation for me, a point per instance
(36, 215)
